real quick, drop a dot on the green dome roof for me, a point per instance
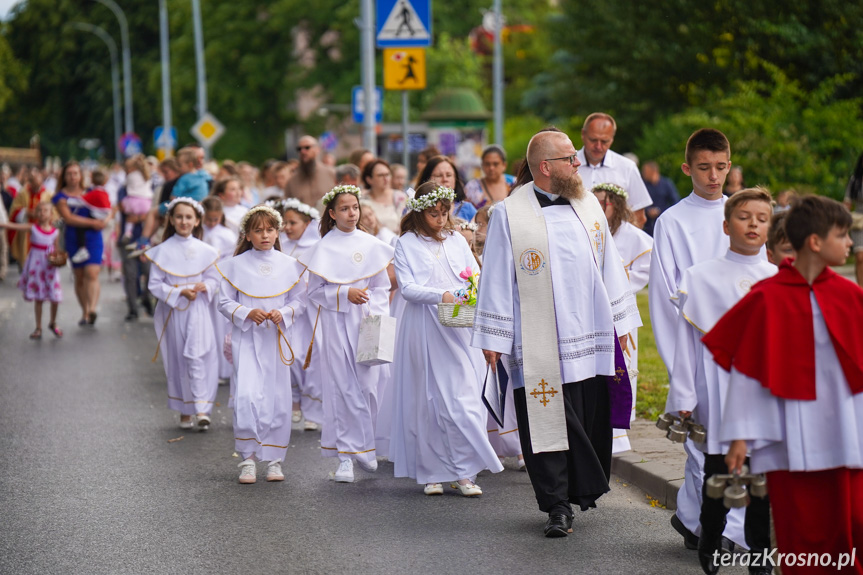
(456, 104)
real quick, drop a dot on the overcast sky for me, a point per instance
(5, 6)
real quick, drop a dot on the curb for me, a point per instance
(659, 481)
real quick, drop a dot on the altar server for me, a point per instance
(795, 353)
(185, 283)
(687, 233)
(260, 296)
(554, 295)
(348, 280)
(698, 385)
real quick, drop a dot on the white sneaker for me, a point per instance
(274, 471)
(203, 422)
(370, 466)
(296, 416)
(186, 424)
(247, 471)
(345, 472)
(82, 255)
(311, 426)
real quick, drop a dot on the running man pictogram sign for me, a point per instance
(404, 69)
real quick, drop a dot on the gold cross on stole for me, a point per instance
(536, 393)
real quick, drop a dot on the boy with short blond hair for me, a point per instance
(698, 386)
(794, 349)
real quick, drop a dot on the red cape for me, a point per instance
(769, 334)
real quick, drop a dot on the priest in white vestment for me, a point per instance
(554, 295)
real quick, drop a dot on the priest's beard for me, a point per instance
(307, 169)
(571, 188)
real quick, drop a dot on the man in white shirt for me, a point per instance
(599, 164)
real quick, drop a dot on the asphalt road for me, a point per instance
(90, 484)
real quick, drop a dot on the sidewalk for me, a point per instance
(654, 465)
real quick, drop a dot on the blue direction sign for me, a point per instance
(404, 23)
(130, 144)
(358, 104)
(165, 140)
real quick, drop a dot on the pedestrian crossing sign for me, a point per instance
(403, 23)
(404, 69)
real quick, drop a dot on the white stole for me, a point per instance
(543, 385)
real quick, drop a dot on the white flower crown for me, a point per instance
(430, 200)
(297, 205)
(189, 201)
(341, 190)
(472, 226)
(261, 208)
(610, 188)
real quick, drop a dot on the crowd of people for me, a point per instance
(284, 286)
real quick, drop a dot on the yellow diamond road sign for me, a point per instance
(207, 130)
(404, 69)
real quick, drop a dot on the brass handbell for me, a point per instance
(677, 433)
(735, 496)
(665, 421)
(740, 486)
(758, 486)
(678, 428)
(715, 487)
(697, 433)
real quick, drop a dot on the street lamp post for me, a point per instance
(166, 74)
(367, 50)
(127, 61)
(199, 63)
(497, 74)
(115, 76)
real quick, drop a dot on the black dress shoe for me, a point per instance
(760, 570)
(558, 525)
(131, 316)
(690, 539)
(728, 545)
(709, 549)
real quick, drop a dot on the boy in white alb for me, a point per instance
(698, 386)
(794, 348)
(688, 233)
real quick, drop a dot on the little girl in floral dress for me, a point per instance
(40, 281)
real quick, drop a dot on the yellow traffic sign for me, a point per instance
(207, 130)
(404, 69)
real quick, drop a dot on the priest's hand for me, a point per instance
(447, 297)
(358, 296)
(258, 316)
(200, 286)
(736, 456)
(491, 358)
(685, 414)
(624, 342)
(275, 316)
(189, 294)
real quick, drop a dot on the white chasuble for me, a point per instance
(584, 335)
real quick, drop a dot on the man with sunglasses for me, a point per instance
(313, 179)
(603, 165)
(553, 296)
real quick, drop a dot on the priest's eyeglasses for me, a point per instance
(571, 159)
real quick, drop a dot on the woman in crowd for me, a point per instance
(495, 183)
(385, 202)
(442, 171)
(70, 204)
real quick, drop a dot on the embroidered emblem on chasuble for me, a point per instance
(266, 269)
(357, 257)
(532, 261)
(540, 395)
(598, 241)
